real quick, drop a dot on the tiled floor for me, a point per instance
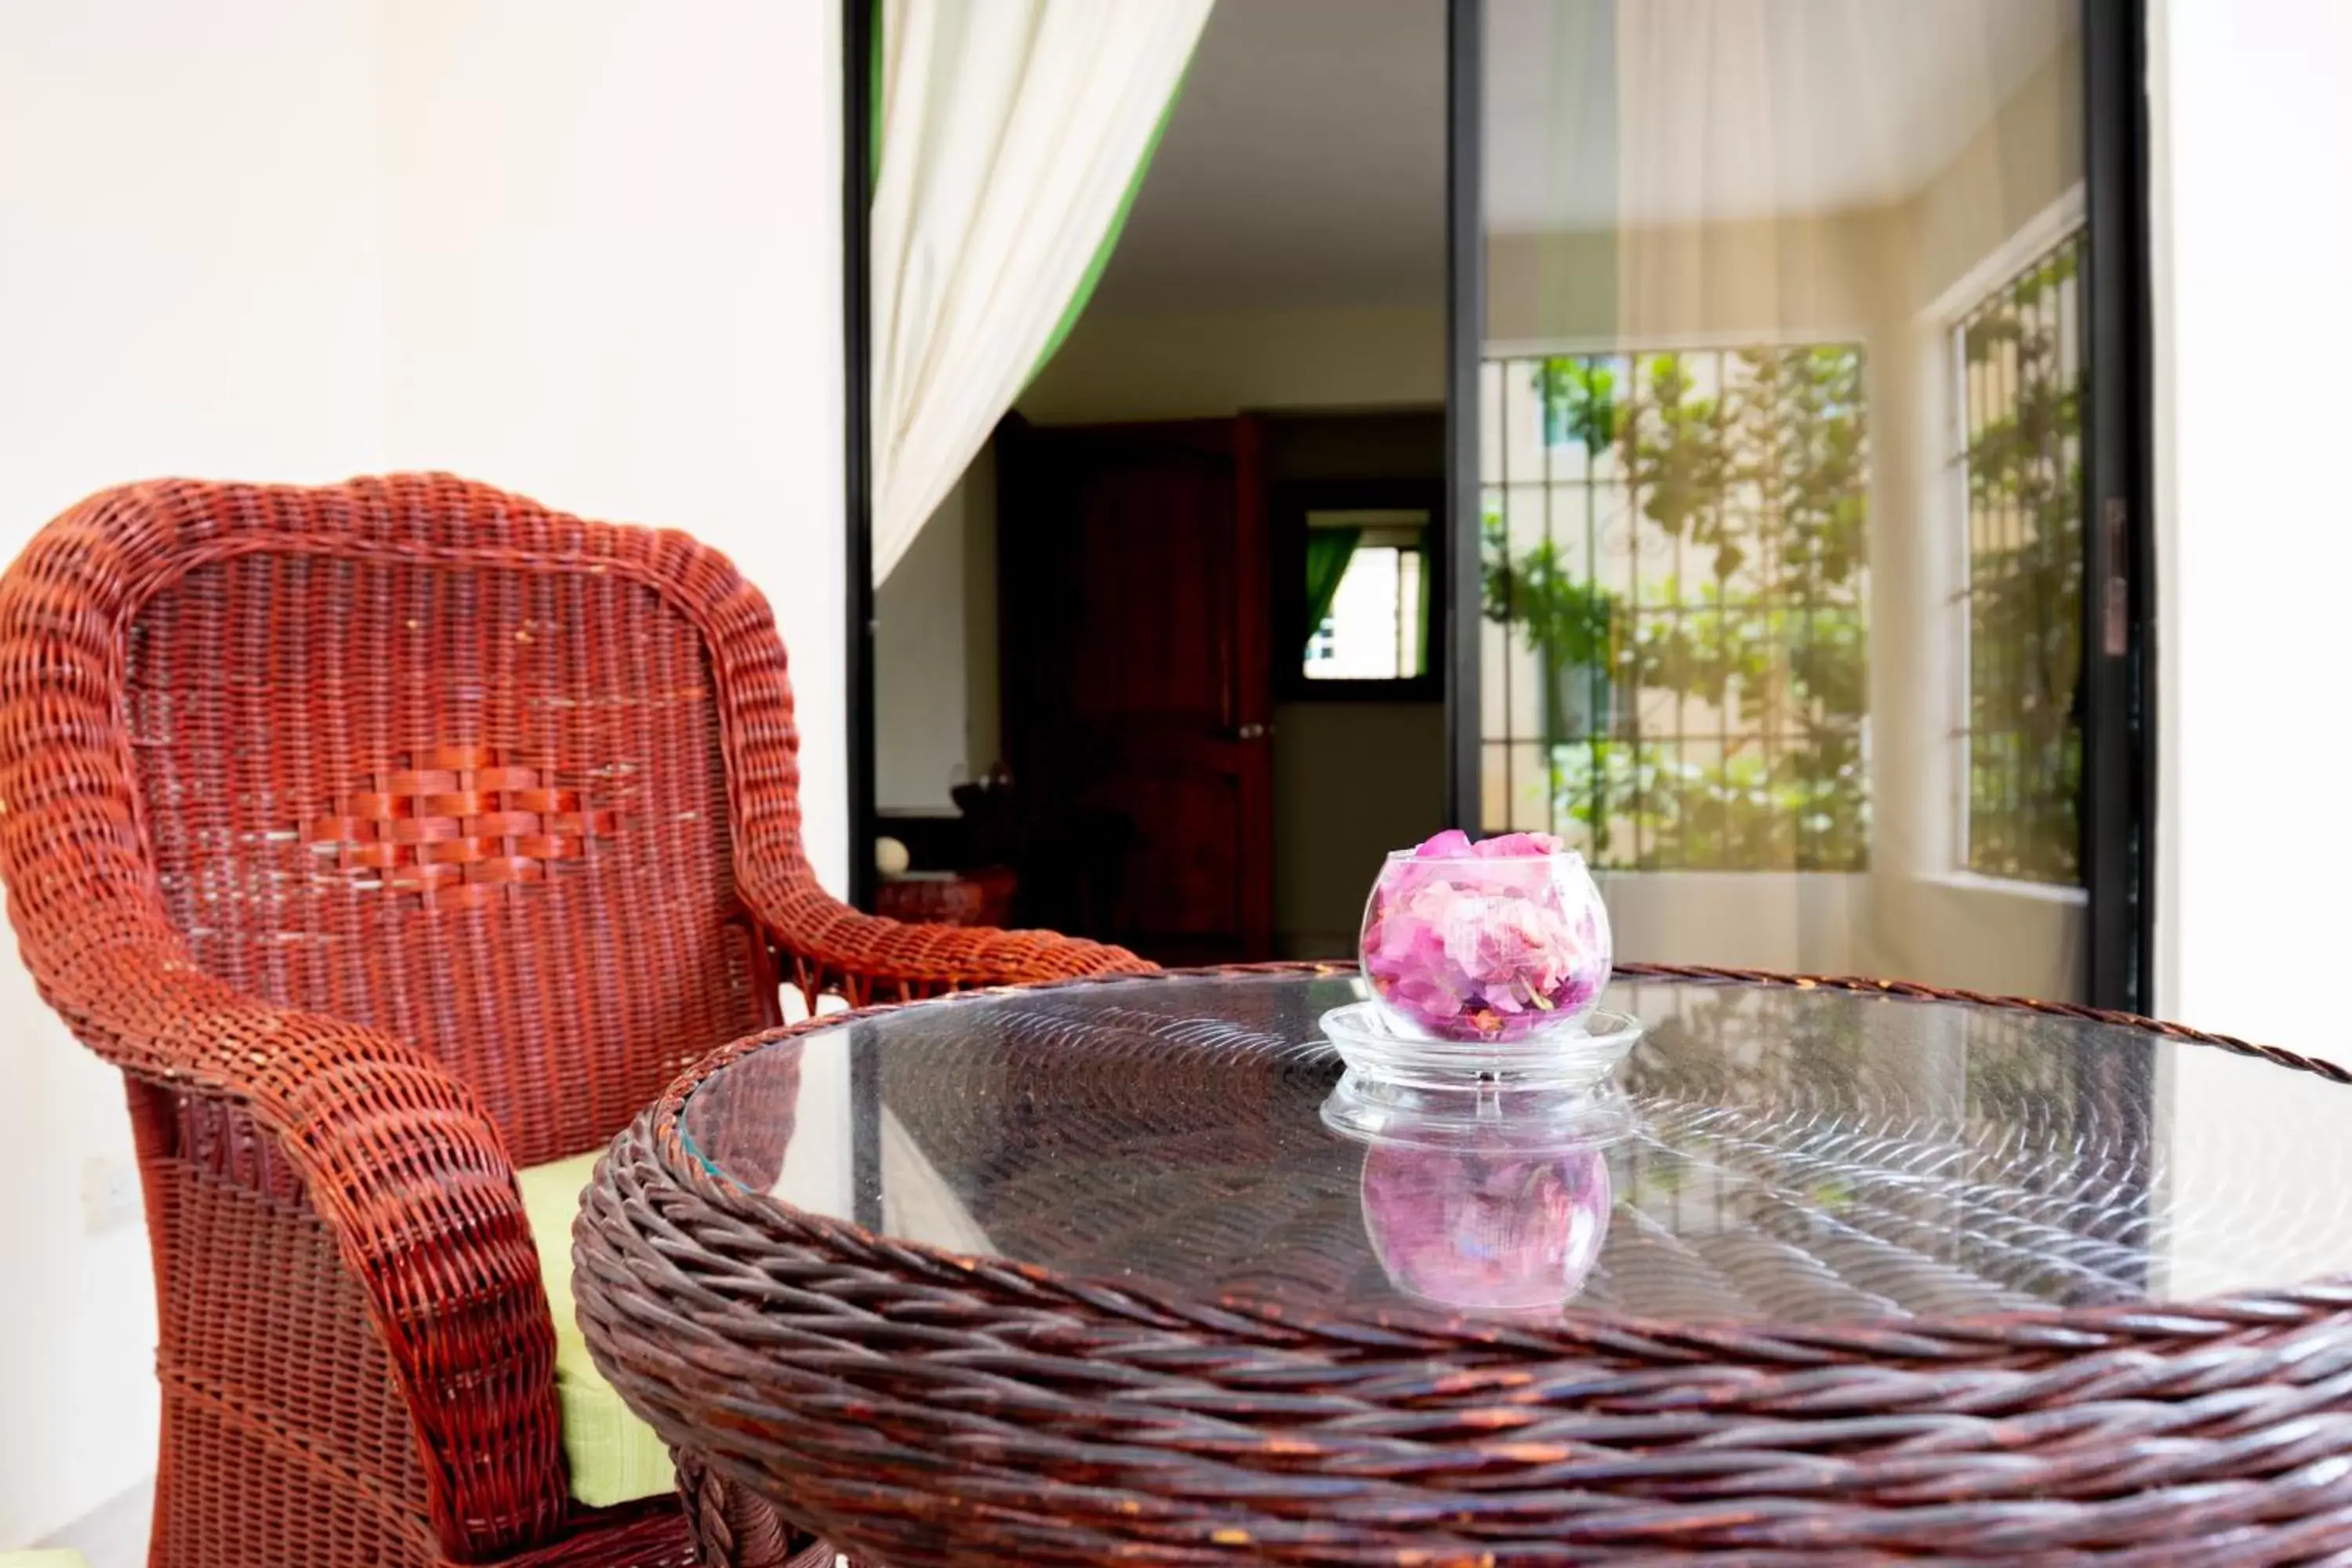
(115, 1534)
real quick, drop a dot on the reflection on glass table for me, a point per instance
(1513, 1227)
(1793, 1154)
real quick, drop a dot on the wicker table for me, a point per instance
(1079, 1275)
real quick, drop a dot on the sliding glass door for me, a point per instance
(1780, 364)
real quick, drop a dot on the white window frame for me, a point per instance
(1942, 321)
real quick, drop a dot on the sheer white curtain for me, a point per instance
(1010, 132)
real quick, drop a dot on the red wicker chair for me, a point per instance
(387, 835)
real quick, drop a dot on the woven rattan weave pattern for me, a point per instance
(330, 1079)
(459, 825)
(933, 1408)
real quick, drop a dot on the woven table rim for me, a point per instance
(1964, 1337)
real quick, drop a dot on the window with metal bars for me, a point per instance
(2018, 375)
(1676, 661)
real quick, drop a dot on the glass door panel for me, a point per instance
(1780, 399)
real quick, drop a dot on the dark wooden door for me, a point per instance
(1133, 591)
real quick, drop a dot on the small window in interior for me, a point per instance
(1368, 583)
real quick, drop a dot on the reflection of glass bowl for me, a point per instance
(1495, 948)
(1488, 1199)
(1500, 1232)
(1573, 1059)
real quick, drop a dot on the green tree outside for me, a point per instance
(1757, 642)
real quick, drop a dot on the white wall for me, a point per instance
(2253, 321)
(919, 655)
(587, 252)
(2253, 316)
(935, 657)
(612, 258)
(190, 282)
(1196, 366)
(1797, 923)
(2012, 191)
(1672, 287)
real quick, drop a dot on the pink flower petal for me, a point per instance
(1508, 845)
(1452, 842)
(1502, 943)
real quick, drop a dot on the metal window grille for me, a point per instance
(1676, 658)
(2019, 379)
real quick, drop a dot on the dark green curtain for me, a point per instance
(1327, 550)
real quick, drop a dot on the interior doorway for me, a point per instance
(1138, 698)
(1107, 701)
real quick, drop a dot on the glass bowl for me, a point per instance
(1488, 948)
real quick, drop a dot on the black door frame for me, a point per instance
(2118, 806)
(858, 63)
(2119, 631)
(1465, 318)
(858, 106)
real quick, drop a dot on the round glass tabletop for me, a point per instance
(1801, 1155)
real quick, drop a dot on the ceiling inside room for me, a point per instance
(1650, 112)
(1303, 166)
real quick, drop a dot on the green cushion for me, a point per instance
(614, 1457)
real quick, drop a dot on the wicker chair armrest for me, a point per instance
(870, 958)
(416, 1183)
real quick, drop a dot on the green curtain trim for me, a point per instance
(1327, 553)
(1085, 291)
(1420, 619)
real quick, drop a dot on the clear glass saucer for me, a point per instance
(1480, 1120)
(1570, 1060)
(1547, 1093)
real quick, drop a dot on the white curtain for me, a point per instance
(1011, 131)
